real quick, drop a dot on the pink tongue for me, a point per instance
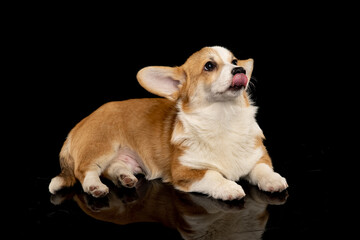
(239, 80)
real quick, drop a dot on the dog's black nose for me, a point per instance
(238, 70)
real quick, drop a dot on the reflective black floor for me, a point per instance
(157, 210)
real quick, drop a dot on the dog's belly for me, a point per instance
(131, 159)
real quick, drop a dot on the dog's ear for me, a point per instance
(162, 81)
(248, 65)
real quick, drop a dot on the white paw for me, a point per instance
(128, 181)
(272, 182)
(97, 190)
(92, 185)
(229, 191)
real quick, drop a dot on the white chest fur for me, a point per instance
(220, 137)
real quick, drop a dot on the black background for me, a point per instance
(71, 60)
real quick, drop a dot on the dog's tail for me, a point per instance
(66, 178)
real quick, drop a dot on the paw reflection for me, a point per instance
(195, 216)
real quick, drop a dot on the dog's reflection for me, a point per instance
(195, 216)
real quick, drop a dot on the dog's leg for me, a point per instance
(266, 179)
(88, 172)
(214, 184)
(263, 174)
(123, 168)
(88, 176)
(210, 182)
(120, 174)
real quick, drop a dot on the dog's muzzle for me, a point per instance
(239, 79)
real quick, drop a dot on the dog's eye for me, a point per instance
(209, 66)
(234, 61)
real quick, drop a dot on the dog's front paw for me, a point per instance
(229, 191)
(272, 182)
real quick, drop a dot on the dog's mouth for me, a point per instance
(233, 88)
(238, 82)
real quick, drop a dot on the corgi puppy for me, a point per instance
(202, 135)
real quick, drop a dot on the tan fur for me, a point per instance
(183, 176)
(152, 118)
(265, 157)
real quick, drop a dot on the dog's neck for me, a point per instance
(188, 107)
(215, 119)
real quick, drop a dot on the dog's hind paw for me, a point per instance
(128, 180)
(99, 190)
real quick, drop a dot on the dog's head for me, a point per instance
(212, 74)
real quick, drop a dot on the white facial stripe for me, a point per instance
(224, 78)
(224, 54)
